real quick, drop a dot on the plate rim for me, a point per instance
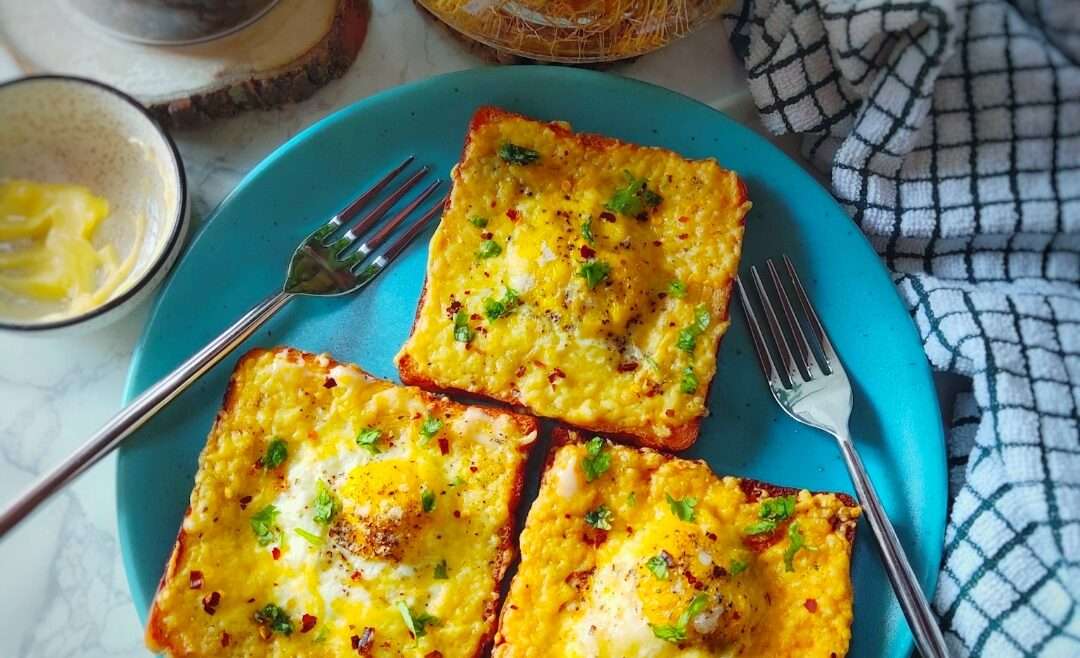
(937, 488)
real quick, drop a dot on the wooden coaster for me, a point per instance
(282, 58)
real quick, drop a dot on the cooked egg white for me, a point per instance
(419, 518)
(585, 592)
(607, 356)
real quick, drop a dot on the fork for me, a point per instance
(821, 397)
(321, 265)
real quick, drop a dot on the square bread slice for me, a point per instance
(335, 514)
(580, 277)
(629, 552)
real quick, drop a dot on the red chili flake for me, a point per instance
(225, 639)
(444, 446)
(276, 552)
(684, 219)
(259, 463)
(627, 366)
(487, 235)
(356, 575)
(587, 252)
(607, 217)
(811, 605)
(355, 641)
(210, 602)
(452, 309)
(457, 514)
(365, 641)
(473, 468)
(683, 236)
(195, 580)
(475, 317)
(512, 214)
(520, 372)
(556, 374)
(670, 413)
(329, 383)
(307, 622)
(433, 654)
(657, 243)
(244, 502)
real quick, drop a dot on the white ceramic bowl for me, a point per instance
(64, 129)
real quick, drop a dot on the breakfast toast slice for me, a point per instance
(630, 552)
(580, 277)
(335, 514)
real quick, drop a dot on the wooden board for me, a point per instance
(285, 56)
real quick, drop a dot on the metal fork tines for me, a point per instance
(812, 387)
(326, 265)
(322, 264)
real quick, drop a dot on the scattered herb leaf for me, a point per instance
(689, 382)
(427, 500)
(677, 289)
(634, 199)
(368, 438)
(659, 566)
(417, 623)
(586, 231)
(796, 543)
(597, 460)
(262, 524)
(441, 572)
(677, 632)
(489, 249)
(519, 155)
(497, 308)
(684, 509)
(478, 221)
(325, 505)
(310, 537)
(594, 272)
(429, 429)
(276, 454)
(737, 567)
(600, 518)
(273, 616)
(462, 332)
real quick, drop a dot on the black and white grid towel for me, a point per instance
(950, 130)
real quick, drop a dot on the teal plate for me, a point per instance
(239, 258)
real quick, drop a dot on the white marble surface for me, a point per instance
(63, 588)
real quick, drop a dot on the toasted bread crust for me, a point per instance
(156, 636)
(681, 436)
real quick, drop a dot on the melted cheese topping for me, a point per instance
(606, 357)
(588, 593)
(50, 266)
(383, 544)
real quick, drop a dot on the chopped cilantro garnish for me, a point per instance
(441, 572)
(597, 460)
(429, 428)
(737, 567)
(489, 249)
(497, 308)
(276, 453)
(368, 439)
(417, 623)
(677, 632)
(586, 231)
(594, 272)
(310, 537)
(631, 499)
(777, 509)
(462, 332)
(600, 518)
(634, 199)
(478, 221)
(274, 617)
(773, 511)
(262, 524)
(689, 382)
(325, 505)
(688, 335)
(515, 154)
(658, 564)
(427, 500)
(684, 509)
(457, 481)
(677, 289)
(796, 543)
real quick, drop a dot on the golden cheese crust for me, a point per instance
(581, 278)
(629, 552)
(328, 503)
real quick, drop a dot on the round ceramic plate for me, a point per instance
(240, 256)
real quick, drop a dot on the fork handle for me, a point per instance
(924, 626)
(141, 409)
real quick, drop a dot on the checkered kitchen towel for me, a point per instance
(951, 133)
